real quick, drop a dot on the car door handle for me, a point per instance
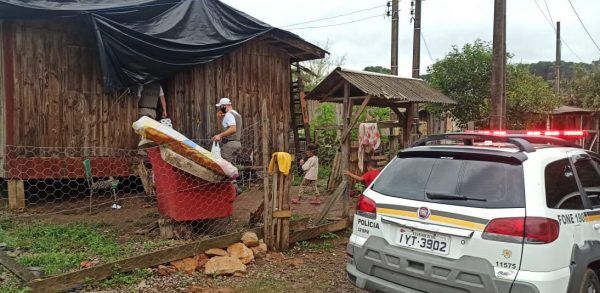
(596, 227)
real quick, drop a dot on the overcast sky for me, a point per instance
(444, 23)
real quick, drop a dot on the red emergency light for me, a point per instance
(554, 133)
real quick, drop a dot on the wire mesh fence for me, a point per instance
(64, 209)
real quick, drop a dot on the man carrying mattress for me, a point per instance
(230, 138)
(148, 97)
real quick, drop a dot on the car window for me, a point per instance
(587, 172)
(561, 188)
(498, 184)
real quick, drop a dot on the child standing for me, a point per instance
(311, 172)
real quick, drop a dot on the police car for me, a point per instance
(494, 212)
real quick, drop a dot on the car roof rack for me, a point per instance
(522, 142)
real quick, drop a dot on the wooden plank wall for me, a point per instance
(59, 99)
(253, 72)
(2, 106)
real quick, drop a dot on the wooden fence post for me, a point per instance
(16, 194)
(267, 213)
(281, 211)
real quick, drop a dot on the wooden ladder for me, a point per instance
(299, 112)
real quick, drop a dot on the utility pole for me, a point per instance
(394, 140)
(416, 39)
(394, 61)
(412, 110)
(498, 89)
(557, 64)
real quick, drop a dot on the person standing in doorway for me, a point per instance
(148, 98)
(231, 136)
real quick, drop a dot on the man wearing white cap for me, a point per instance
(230, 138)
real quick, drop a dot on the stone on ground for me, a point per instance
(165, 270)
(260, 251)
(250, 239)
(224, 265)
(239, 250)
(202, 260)
(216, 252)
(186, 265)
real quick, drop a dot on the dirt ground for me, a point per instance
(312, 266)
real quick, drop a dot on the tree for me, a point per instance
(320, 68)
(464, 75)
(583, 89)
(378, 69)
(527, 94)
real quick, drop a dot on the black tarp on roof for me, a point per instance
(141, 41)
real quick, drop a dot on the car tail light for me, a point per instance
(531, 230)
(366, 206)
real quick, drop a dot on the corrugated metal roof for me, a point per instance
(570, 109)
(381, 86)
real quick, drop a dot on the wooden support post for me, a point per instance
(146, 178)
(280, 210)
(346, 145)
(267, 214)
(332, 198)
(285, 212)
(16, 194)
(350, 125)
(410, 115)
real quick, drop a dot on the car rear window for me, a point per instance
(499, 184)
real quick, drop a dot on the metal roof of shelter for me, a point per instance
(570, 110)
(386, 90)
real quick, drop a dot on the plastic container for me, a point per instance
(184, 197)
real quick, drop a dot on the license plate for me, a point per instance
(424, 241)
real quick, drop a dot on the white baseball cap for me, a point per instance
(223, 102)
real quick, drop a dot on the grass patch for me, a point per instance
(60, 248)
(131, 278)
(313, 246)
(329, 235)
(265, 284)
(155, 245)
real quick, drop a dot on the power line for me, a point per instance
(563, 41)
(335, 16)
(583, 25)
(549, 14)
(337, 24)
(426, 47)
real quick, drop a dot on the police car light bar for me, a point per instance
(554, 133)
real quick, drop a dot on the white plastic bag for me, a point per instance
(216, 150)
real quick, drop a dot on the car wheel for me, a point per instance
(590, 282)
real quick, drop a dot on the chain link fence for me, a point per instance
(64, 209)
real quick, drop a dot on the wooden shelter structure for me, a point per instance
(52, 97)
(361, 88)
(576, 118)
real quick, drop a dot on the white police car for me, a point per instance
(496, 213)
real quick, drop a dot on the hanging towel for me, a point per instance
(284, 162)
(368, 140)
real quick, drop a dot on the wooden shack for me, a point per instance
(55, 111)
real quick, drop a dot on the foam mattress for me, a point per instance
(166, 136)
